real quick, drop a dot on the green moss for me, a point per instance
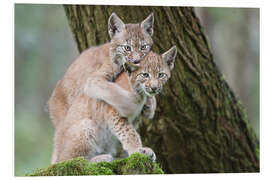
(135, 164)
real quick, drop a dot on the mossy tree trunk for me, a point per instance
(199, 125)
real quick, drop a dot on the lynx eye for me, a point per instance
(127, 48)
(144, 47)
(145, 75)
(161, 75)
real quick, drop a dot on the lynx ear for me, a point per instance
(148, 24)
(115, 25)
(169, 57)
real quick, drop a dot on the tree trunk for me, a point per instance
(199, 126)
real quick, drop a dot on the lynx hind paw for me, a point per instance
(149, 152)
(102, 158)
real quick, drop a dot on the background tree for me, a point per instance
(200, 126)
(234, 37)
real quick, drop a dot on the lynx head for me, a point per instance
(153, 73)
(131, 42)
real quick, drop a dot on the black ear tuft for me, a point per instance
(115, 25)
(148, 24)
(169, 56)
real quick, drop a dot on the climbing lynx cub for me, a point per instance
(93, 128)
(101, 64)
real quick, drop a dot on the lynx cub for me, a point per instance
(101, 64)
(93, 128)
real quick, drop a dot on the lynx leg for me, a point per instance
(122, 100)
(124, 131)
(54, 154)
(77, 140)
(102, 158)
(150, 107)
(57, 105)
(128, 136)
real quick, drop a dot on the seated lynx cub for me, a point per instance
(93, 128)
(97, 66)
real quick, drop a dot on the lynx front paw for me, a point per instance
(148, 112)
(147, 151)
(149, 108)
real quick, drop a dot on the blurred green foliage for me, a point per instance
(44, 48)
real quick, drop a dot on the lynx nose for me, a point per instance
(136, 58)
(136, 62)
(154, 89)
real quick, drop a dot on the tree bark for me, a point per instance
(199, 126)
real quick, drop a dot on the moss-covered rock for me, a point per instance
(135, 164)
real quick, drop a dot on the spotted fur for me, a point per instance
(94, 129)
(96, 66)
